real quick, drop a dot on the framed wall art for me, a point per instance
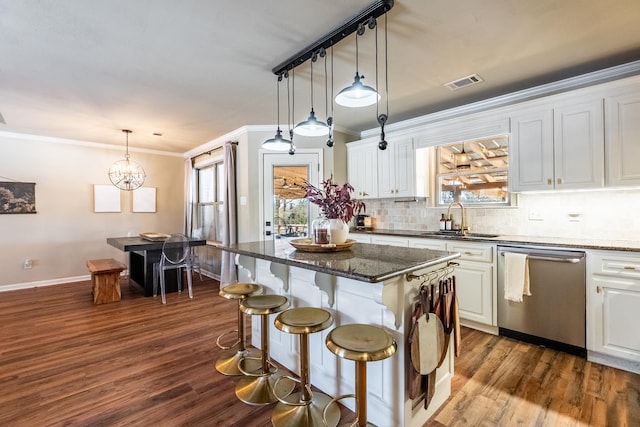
(144, 199)
(106, 198)
(17, 197)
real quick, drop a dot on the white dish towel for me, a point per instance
(516, 276)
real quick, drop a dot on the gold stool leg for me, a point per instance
(305, 409)
(227, 363)
(259, 390)
(361, 393)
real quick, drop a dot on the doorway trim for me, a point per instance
(261, 171)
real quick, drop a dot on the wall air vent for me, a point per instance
(464, 82)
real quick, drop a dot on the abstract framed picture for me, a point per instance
(17, 197)
(106, 198)
(144, 199)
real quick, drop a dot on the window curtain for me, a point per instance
(188, 196)
(230, 234)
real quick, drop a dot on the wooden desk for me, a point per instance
(142, 255)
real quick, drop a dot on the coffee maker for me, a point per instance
(363, 222)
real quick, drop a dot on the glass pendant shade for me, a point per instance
(311, 127)
(357, 95)
(462, 160)
(277, 143)
(127, 174)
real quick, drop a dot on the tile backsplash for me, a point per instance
(606, 214)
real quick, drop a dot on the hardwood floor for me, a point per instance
(67, 362)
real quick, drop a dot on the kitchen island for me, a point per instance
(364, 284)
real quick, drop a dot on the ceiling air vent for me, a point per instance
(464, 82)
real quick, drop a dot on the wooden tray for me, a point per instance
(305, 245)
(154, 237)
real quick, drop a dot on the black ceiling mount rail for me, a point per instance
(333, 37)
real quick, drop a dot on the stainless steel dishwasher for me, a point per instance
(554, 314)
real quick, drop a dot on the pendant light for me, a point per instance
(358, 94)
(462, 159)
(127, 174)
(277, 143)
(312, 126)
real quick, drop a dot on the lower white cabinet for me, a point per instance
(476, 284)
(360, 237)
(613, 306)
(379, 239)
(475, 275)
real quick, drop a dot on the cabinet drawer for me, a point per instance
(472, 251)
(617, 265)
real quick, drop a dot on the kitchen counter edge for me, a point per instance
(608, 245)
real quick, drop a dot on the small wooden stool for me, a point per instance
(105, 279)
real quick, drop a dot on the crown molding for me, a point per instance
(578, 82)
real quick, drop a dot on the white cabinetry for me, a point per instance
(380, 239)
(362, 164)
(475, 284)
(558, 146)
(622, 114)
(613, 309)
(396, 169)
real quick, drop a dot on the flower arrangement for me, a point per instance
(334, 200)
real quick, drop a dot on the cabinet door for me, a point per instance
(396, 169)
(578, 145)
(390, 240)
(622, 115)
(474, 284)
(362, 169)
(531, 165)
(433, 244)
(404, 168)
(616, 317)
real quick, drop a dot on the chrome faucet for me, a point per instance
(463, 226)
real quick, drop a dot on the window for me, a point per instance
(479, 179)
(209, 209)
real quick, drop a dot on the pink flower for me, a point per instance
(334, 200)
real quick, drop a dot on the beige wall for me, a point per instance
(65, 231)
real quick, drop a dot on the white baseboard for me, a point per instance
(614, 362)
(51, 282)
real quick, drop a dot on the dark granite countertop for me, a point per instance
(129, 244)
(612, 245)
(369, 263)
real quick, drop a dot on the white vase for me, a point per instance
(339, 231)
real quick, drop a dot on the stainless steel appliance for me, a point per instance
(554, 315)
(363, 222)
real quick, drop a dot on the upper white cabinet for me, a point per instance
(558, 146)
(622, 114)
(396, 169)
(362, 168)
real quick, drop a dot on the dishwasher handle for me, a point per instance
(549, 258)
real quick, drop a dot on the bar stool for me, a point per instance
(303, 408)
(227, 364)
(258, 387)
(362, 343)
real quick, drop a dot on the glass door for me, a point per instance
(287, 212)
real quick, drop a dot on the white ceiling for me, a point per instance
(194, 70)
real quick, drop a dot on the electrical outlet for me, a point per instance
(535, 216)
(28, 264)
